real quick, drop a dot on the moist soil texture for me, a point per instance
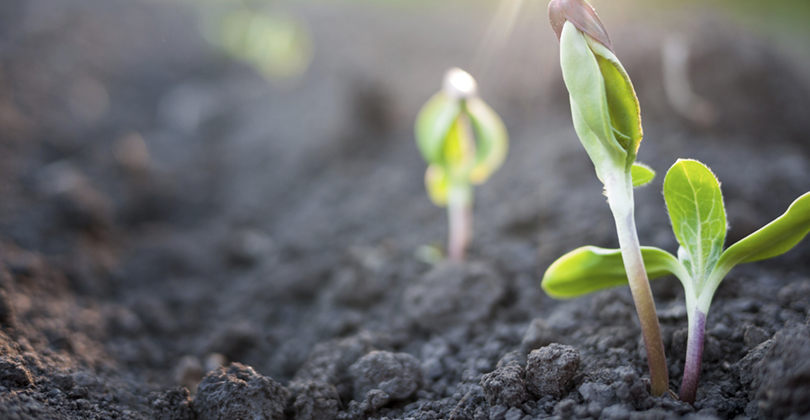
(181, 238)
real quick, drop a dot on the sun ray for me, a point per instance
(496, 36)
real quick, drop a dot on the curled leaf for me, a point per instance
(493, 140)
(458, 154)
(433, 123)
(625, 113)
(586, 88)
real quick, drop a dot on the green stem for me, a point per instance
(459, 214)
(619, 190)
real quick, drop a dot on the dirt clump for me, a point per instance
(173, 404)
(782, 378)
(316, 401)
(505, 386)
(238, 392)
(550, 370)
(399, 375)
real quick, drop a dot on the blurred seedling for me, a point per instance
(463, 141)
(607, 120)
(275, 43)
(695, 205)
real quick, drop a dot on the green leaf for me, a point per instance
(625, 114)
(437, 184)
(458, 151)
(433, 123)
(773, 239)
(604, 162)
(642, 174)
(589, 103)
(492, 140)
(695, 205)
(589, 269)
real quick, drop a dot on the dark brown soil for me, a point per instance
(257, 258)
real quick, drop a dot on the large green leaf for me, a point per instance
(589, 269)
(695, 205)
(433, 123)
(642, 174)
(492, 139)
(605, 162)
(586, 87)
(773, 239)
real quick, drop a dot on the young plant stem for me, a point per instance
(459, 213)
(619, 191)
(694, 354)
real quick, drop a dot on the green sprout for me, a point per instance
(607, 120)
(695, 205)
(463, 141)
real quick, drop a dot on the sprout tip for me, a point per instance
(459, 84)
(582, 15)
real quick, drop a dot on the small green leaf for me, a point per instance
(695, 205)
(589, 269)
(458, 151)
(437, 184)
(642, 174)
(433, 123)
(773, 239)
(492, 140)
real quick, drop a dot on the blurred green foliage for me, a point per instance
(276, 44)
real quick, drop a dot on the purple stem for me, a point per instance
(694, 355)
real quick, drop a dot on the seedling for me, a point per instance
(463, 141)
(607, 120)
(695, 205)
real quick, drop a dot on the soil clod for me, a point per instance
(550, 370)
(397, 374)
(782, 377)
(238, 392)
(505, 386)
(316, 401)
(173, 404)
(14, 375)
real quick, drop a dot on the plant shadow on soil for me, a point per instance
(179, 239)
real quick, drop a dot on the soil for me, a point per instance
(182, 239)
